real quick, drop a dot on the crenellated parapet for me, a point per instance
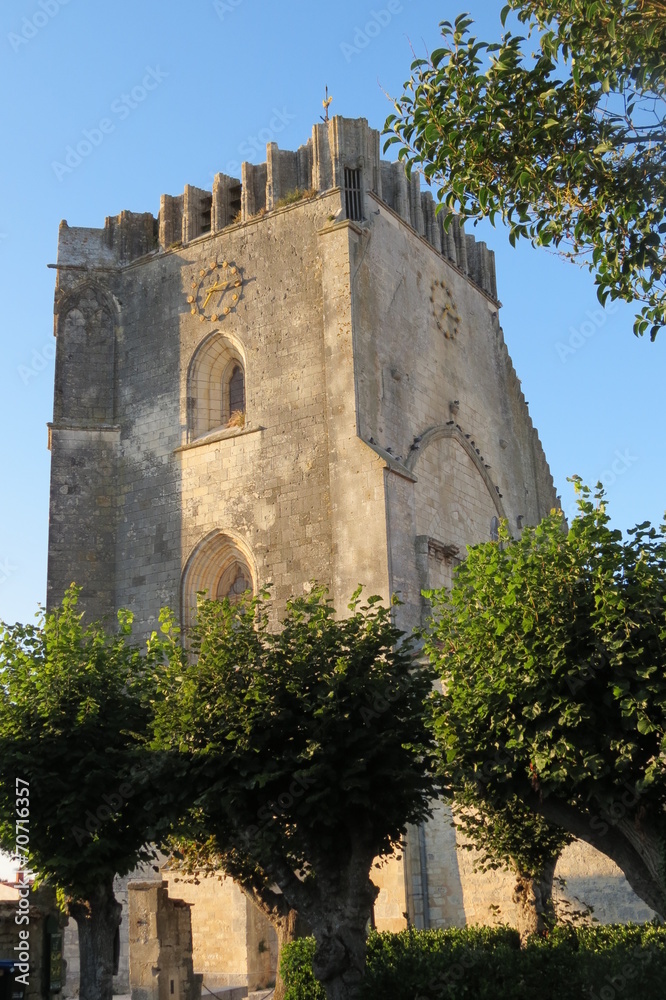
(285, 172)
(124, 238)
(343, 154)
(130, 235)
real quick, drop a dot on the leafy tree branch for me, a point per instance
(564, 144)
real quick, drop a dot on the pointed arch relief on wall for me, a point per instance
(81, 296)
(452, 511)
(216, 387)
(221, 565)
(86, 320)
(440, 431)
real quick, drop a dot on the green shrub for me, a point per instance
(297, 971)
(481, 963)
(406, 965)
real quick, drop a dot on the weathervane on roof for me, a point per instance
(326, 104)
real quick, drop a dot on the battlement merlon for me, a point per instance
(340, 152)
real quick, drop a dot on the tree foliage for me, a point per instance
(309, 753)
(565, 144)
(506, 834)
(74, 724)
(552, 652)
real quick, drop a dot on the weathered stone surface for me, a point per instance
(381, 430)
(160, 937)
(234, 944)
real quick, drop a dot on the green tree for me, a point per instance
(74, 718)
(566, 145)
(551, 648)
(507, 834)
(308, 753)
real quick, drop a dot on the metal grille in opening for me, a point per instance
(353, 202)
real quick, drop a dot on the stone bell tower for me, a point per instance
(297, 375)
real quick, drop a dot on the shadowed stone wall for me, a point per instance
(382, 430)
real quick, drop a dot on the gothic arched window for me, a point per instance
(220, 566)
(216, 387)
(494, 529)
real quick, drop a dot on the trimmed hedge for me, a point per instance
(483, 963)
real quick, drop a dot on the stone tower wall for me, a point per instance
(384, 426)
(159, 492)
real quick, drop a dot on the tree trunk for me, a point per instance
(340, 929)
(634, 845)
(287, 930)
(98, 919)
(534, 896)
(337, 906)
(339, 960)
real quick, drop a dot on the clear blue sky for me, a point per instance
(221, 73)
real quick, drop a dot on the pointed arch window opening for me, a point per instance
(235, 408)
(216, 391)
(218, 568)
